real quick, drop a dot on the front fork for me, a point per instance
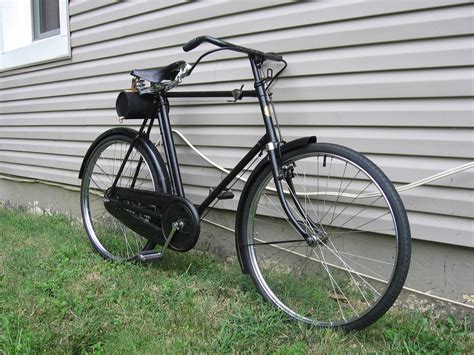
(279, 174)
(272, 148)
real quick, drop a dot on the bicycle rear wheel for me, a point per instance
(354, 272)
(110, 237)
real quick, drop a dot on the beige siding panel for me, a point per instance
(451, 230)
(80, 6)
(424, 142)
(450, 202)
(274, 38)
(420, 142)
(72, 102)
(35, 172)
(457, 230)
(435, 200)
(391, 79)
(34, 68)
(55, 161)
(73, 148)
(423, 83)
(303, 64)
(428, 54)
(107, 83)
(433, 24)
(401, 170)
(299, 14)
(376, 113)
(429, 199)
(443, 229)
(404, 169)
(117, 11)
(172, 17)
(61, 118)
(433, 53)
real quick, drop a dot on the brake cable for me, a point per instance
(204, 55)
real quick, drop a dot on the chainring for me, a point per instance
(181, 210)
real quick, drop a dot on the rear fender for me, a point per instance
(144, 141)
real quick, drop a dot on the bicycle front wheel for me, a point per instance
(356, 268)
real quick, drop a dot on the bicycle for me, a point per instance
(320, 229)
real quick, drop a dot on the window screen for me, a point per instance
(45, 18)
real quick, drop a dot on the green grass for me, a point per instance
(57, 295)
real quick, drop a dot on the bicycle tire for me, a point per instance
(356, 270)
(109, 237)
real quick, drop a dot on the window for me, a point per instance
(45, 18)
(32, 32)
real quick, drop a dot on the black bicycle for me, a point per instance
(319, 227)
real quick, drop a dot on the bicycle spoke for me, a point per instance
(110, 236)
(347, 269)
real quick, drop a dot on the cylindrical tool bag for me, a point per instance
(131, 105)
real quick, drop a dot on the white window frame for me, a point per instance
(39, 51)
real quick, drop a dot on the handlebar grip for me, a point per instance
(193, 43)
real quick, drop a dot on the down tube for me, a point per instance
(237, 169)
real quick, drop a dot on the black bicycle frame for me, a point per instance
(268, 142)
(170, 151)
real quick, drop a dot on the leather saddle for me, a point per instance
(158, 74)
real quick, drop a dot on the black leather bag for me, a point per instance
(131, 105)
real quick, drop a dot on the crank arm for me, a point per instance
(175, 226)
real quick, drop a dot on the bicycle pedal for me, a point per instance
(226, 195)
(149, 255)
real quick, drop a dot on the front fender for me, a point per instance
(294, 144)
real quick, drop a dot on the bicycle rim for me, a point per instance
(354, 272)
(111, 238)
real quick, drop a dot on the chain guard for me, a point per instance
(151, 214)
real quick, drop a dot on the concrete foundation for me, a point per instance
(438, 269)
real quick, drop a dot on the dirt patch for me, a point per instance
(438, 308)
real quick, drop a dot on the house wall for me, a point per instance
(391, 79)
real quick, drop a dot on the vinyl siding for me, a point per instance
(393, 80)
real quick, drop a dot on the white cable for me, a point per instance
(412, 185)
(197, 151)
(437, 176)
(77, 189)
(371, 277)
(399, 189)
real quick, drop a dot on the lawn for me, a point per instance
(57, 295)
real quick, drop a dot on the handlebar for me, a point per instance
(195, 42)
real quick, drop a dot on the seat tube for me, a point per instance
(169, 147)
